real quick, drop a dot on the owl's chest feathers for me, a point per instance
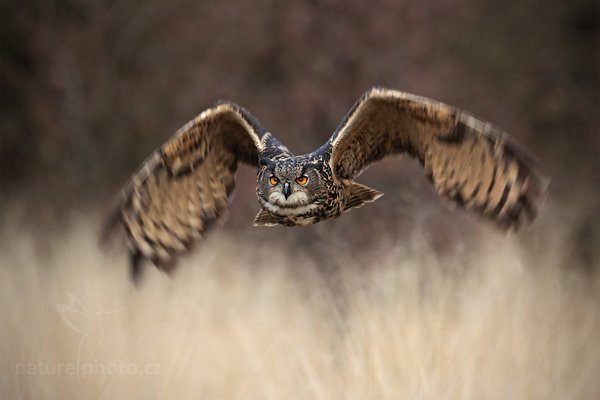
(290, 211)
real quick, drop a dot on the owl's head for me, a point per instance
(290, 183)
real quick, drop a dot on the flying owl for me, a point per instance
(184, 186)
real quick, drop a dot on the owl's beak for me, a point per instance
(287, 190)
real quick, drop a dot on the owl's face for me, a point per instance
(290, 184)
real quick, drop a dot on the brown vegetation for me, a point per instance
(244, 319)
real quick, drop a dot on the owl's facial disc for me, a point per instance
(287, 186)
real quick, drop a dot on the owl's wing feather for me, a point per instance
(184, 186)
(469, 161)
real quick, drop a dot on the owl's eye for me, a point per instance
(302, 180)
(273, 181)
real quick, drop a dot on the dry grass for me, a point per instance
(236, 324)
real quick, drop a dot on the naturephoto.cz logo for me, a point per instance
(84, 369)
(90, 327)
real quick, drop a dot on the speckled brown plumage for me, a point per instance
(470, 161)
(184, 186)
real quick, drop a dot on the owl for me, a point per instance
(185, 185)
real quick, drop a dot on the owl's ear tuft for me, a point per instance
(263, 218)
(357, 195)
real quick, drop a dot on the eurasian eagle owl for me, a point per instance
(183, 187)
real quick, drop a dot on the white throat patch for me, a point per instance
(296, 199)
(295, 204)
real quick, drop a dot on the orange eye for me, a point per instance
(274, 181)
(302, 180)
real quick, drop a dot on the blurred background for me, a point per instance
(89, 88)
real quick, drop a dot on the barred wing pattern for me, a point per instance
(184, 186)
(469, 161)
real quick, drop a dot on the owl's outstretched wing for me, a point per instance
(470, 161)
(184, 186)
